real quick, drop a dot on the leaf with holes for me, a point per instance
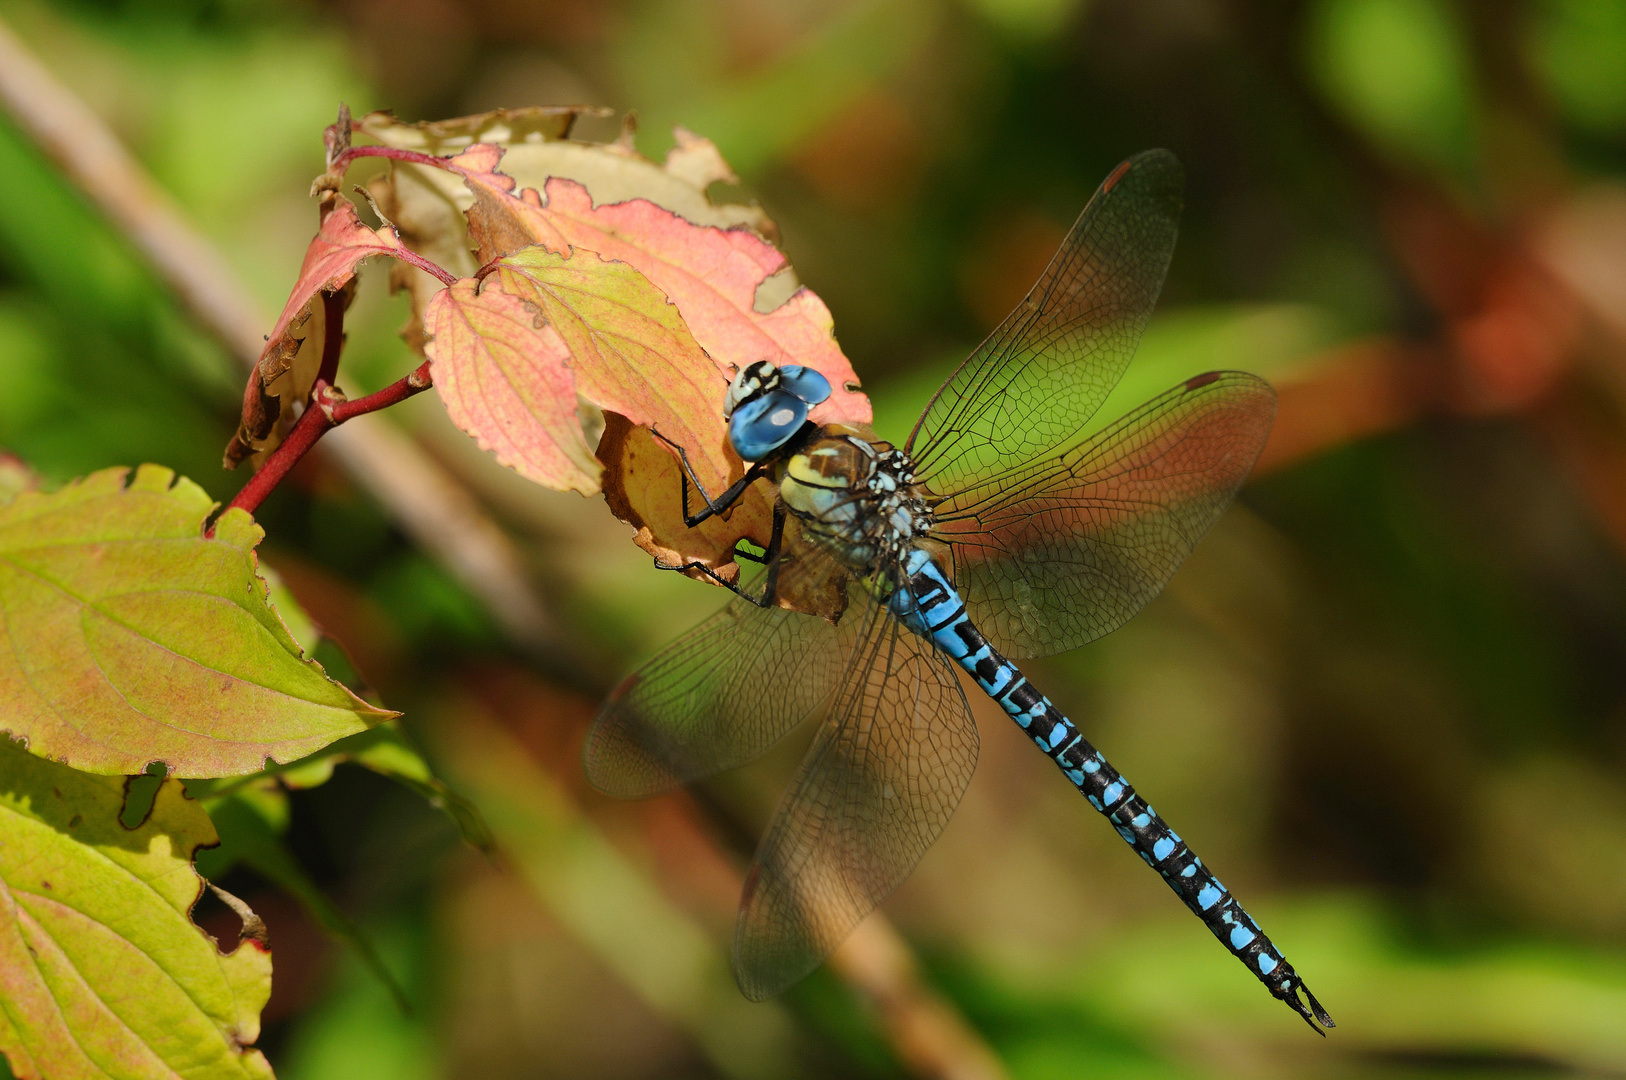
(711, 274)
(505, 378)
(128, 637)
(292, 356)
(102, 971)
(734, 289)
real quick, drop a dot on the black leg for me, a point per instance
(770, 591)
(684, 568)
(769, 557)
(713, 506)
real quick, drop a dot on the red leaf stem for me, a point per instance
(412, 258)
(333, 305)
(416, 157)
(393, 394)
(294, 446)
(327, 409)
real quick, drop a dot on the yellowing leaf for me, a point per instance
(631, 351)
(504, 376)
(102, 972)
(292, 357)
(130, 638)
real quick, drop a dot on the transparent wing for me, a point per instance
(1059, 552)
(1028, 390)
(720, 695)
(876, 788)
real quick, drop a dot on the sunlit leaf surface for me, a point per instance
(130, 638)
(101, 969)
(505, 376)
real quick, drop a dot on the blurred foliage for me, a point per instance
(1386, 696)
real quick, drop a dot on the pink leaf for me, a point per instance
(632, 353)
(504, 375)
(712, 275)
(292, 356)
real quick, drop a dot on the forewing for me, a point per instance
(1028, 390)
(716, 698)
(1058, 553)
(876, 788)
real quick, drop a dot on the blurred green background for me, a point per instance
(1386, 698)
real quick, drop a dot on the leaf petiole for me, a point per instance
(416, 157)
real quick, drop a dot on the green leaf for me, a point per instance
(102, 972)
(129, 637)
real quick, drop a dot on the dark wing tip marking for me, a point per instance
(623, 688)
(1116, 175)
(1197, 382)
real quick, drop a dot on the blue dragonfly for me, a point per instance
(1005, 528)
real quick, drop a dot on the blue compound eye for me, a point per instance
(806, 383)
(761, 426)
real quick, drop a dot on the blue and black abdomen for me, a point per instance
(930, 606)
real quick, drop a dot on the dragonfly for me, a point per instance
(1005, 528)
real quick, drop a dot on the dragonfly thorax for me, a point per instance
(857, 496)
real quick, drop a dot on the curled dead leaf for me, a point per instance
(292, 358)
(647, 495)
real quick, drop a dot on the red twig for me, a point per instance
(412, 258)
(327, 409)
(414, 156)
(393, 394)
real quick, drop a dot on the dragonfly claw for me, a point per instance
(1314, 1014)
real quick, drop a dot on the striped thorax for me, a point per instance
(858, 497)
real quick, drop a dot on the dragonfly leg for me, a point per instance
(723, 501)
(770, 590)
(769, 557)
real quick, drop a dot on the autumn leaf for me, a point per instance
(711, 274)
(504, 375)
(131, 638)
(292, 358)
(631, 351)
(102, 971)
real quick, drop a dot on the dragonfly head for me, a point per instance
(766, 405)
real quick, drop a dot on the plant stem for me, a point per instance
(332, 336)
(393, 394)
(430, 504)
(414, 156)
(327, 409)
(412, 258)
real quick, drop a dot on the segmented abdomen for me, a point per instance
(930, 606)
